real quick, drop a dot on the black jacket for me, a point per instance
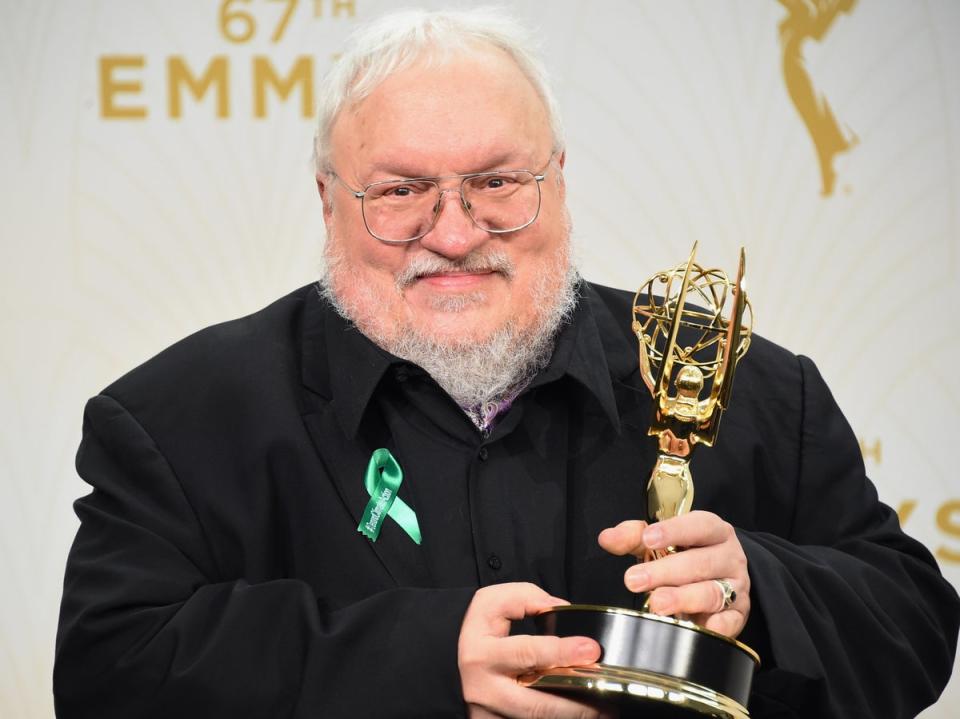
(218, 570)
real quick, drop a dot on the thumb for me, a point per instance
(494, 607)
(517, 600)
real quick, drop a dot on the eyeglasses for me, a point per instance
(404, 210)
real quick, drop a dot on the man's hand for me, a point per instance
(490, 660)
(682, 583)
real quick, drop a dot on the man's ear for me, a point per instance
(323, 187)
(559, 174)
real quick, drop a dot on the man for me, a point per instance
(452, 349)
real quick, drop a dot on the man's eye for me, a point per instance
(494, 182)
(403, 190)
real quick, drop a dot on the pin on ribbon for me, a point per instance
(382, 481)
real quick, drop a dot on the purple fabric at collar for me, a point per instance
(485, 415)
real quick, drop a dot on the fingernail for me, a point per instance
(652, 537)
(637, 578)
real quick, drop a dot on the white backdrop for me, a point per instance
(122, 234)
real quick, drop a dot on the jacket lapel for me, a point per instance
(341, 367)
(345, 464)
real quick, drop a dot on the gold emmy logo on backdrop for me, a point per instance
(811, 19)
(688, 351)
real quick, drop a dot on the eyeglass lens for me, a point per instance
(407, 209)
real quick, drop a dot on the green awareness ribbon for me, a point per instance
(382, 482)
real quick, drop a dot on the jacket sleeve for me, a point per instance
(851, 616)
(149, 629)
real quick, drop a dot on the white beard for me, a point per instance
(471, 372)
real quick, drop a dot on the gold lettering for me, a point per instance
(178, 75)
(264, 75)
(284, 20)
(874, 452)
(948, 520)
(905, 510)
(230, 19)
(350, 6)
(110, 87)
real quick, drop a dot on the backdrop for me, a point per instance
(155, 179)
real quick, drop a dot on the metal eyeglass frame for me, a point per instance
(360, 194)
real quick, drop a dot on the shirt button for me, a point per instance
(402, 374)
(493, 561)
(483, 454)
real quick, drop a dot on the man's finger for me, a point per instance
(625, 538)
(523, 654)
(697, 598)
(514, 600)
(687, 567)
(696, 529)
(729, 623)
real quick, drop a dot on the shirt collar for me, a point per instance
(343, 365)
(581, 354)
(339, 362)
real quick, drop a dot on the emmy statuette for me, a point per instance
(669, 666)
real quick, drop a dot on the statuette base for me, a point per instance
(654, 666)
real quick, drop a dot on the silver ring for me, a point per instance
(729, 594)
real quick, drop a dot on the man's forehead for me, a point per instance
(469, 113)
(428, 161)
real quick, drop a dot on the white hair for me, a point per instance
(397, 40)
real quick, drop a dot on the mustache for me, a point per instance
(430, 263)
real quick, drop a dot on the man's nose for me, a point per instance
(454, 233)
